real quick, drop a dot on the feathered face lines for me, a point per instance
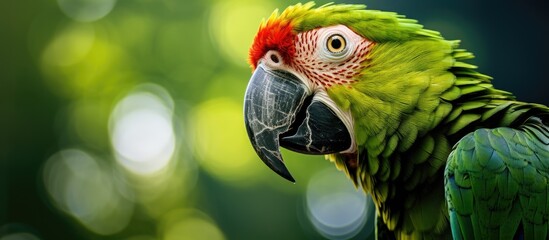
(325, 56)
(331, 55)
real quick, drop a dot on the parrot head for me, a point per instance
(333, 79)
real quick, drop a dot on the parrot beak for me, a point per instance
(279, 110)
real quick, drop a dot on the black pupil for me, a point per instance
(336, 43)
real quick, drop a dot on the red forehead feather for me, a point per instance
(274, 35)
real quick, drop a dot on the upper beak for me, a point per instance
(279, 110)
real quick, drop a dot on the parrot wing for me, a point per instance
(497, 183)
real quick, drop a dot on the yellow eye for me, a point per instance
(336, 43)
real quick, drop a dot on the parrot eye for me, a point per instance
(336, 43)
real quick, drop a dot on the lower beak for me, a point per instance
(279, 110)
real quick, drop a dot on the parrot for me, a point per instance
(400, 111)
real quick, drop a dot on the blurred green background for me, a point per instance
(123, 119)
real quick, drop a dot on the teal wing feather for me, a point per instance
(497, 183)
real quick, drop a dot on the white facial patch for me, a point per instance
(330, 55)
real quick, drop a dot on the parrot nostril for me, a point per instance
(274, 58)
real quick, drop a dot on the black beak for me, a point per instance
(279, 110)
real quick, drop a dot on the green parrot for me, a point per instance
(396, 107)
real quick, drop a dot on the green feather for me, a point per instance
(508, 186)
(472, 105)
(497, 109)
(451, 94)
(427, 144)
(463, 121)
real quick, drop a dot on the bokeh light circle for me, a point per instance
(19, 236)
(221, 142)
(334, 206)
(86, 10)
(70, 46)
(141, 129)
(233, 26)
(83, 188)
(191, 224)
